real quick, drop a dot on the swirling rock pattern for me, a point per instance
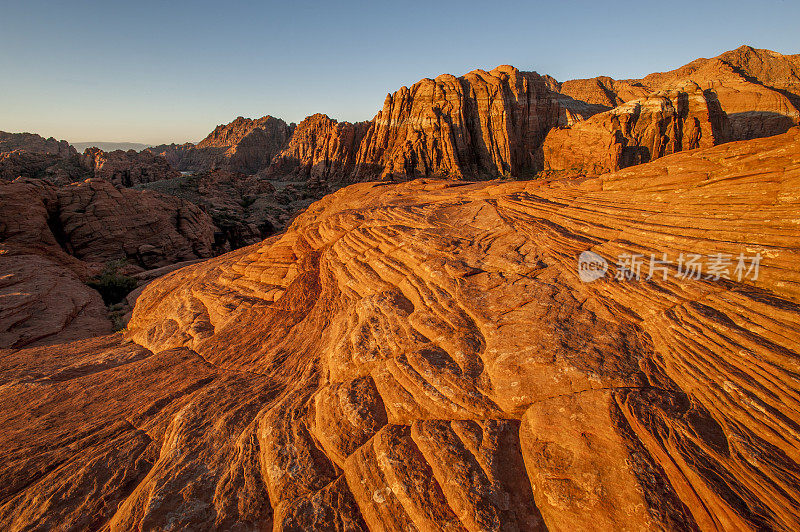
(423, 356)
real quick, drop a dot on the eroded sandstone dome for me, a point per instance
(425, 356)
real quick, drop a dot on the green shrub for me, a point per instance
(112, 285)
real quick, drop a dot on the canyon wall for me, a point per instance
(637, 132)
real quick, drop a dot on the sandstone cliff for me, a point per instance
(637, 132)
(320, 148)
(244, 145)
(424, 356)
(481, 124)
(758, 89)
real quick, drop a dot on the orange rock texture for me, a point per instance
(637, 132)
(483, 123)
(490, 124)
(320, 148)
(54, 239)
(758, 89)
(424, 356)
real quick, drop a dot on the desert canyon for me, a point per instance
(381, 326)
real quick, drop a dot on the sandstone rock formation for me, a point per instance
(43, 298)
(758, 89)
(21, 163)
(320, 148)
(127, 168)
(32, 156)
(637, 132)
(54, 239)
(98, 222)
(481, 124)
(33, 143)
(244, 209)
(424, 356)
(175, 154)
(244, 145)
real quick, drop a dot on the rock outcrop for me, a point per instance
(32, 156)
(320, 148)
(425, 356)
(481, 124)
(33, 143)
(97, 222)
(127, 168)
(175, 154)
(637, 132)
(33, 165)
(758, 89)
(243, 146)
(43, 295)
(244, 209)
(55, 239)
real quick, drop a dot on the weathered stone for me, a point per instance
(425, 356)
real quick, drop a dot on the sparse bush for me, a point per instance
(113, 285)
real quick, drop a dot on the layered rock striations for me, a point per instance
(425, 356)
(55, 239)
(320, 148)
(637, 132)
(481, 124)
(758, 89)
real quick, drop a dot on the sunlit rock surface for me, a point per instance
(424, 356)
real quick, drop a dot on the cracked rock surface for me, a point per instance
(423, 356)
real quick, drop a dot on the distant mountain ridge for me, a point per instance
(490, 124)
(110, 146)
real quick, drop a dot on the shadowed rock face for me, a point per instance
(54, 239)
(637, 132)
(244, 145)
(320, 148)
(33, 143)
(424, 356)
(127, 168)
(758, 89)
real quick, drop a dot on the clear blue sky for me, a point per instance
(167, 71)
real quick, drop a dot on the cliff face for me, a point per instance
(486, 124)
(481, 124)
(424, 354)
(637, 132)
(244, 145)
(127, 168)
(758, 89)
(320, 148)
